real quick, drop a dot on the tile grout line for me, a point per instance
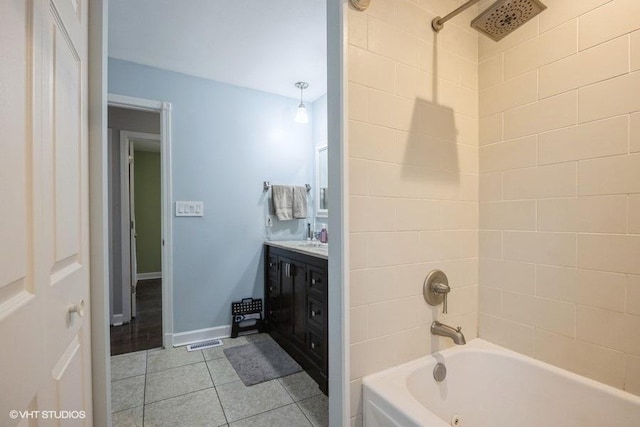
(274, 409)
(259, 413)
(295, 402)
(144, 392)
(179, 366)
(304, 400)
(126, 378)
(179, 395)
(176, 367)
(224, 413)
(304, 413)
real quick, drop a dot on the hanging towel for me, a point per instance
(299, 202)
(282, 198)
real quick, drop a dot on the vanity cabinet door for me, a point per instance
(297, 274)
(296, 308)
(285, 296)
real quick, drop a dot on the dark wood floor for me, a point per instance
(145, 330)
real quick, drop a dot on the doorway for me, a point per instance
(337, 320)
(137, 226)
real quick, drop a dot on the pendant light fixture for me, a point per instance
(301, 114)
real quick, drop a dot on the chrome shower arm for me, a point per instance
(438, 23)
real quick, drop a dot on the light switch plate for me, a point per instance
(189, 208)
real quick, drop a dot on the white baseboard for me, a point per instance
(190, 337)
(116, 320)
(167, 340)
(148, 276)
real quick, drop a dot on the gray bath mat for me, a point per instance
(261, 361)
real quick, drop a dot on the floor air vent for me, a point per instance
(204, 344)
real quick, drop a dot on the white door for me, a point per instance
(133, 235)
(44, 259)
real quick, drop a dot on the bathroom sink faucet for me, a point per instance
(443, 330)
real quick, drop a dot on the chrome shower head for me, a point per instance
(505, 16)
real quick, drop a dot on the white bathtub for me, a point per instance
(489, 386)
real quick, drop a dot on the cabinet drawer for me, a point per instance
(315, 313)
(315, 346)
(317, 281)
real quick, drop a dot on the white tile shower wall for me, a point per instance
(559, 270)
(413, 147)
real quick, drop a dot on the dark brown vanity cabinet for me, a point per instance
(296, 308)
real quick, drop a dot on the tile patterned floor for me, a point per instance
(156, 388)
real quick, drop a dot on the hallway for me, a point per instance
(144, 332)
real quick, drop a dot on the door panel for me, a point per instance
(66, 145)
(272, 294)
(66, 202)
(132, 231)
(67, 375)
(125, 229)
(299, 303)
(284, 324)
(20, 298)
(44, 226)
(15, 164)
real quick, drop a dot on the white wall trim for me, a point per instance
(99, 256)
(149, 276)
(190, 337)
(339, 386)
(127, 211)
(140, 104)
(109, 165)
(167, 224)
(125, 229)
(164, 108)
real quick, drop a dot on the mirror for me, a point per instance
(322, 182)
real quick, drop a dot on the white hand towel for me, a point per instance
(299, 202)
(282, 198)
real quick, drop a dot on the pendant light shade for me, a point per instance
(301, 114)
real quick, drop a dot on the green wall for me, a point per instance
(147, 209)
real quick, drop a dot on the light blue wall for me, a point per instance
(320, 124)
(226, 141)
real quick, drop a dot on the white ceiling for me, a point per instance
(266, 45)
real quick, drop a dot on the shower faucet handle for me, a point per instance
(435, 289)
(442, 289)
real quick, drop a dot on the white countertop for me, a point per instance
(312, 248)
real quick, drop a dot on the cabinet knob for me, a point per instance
(313, 281)
(270, 264)
(315, 313)
(270, 288)
(313, 345)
